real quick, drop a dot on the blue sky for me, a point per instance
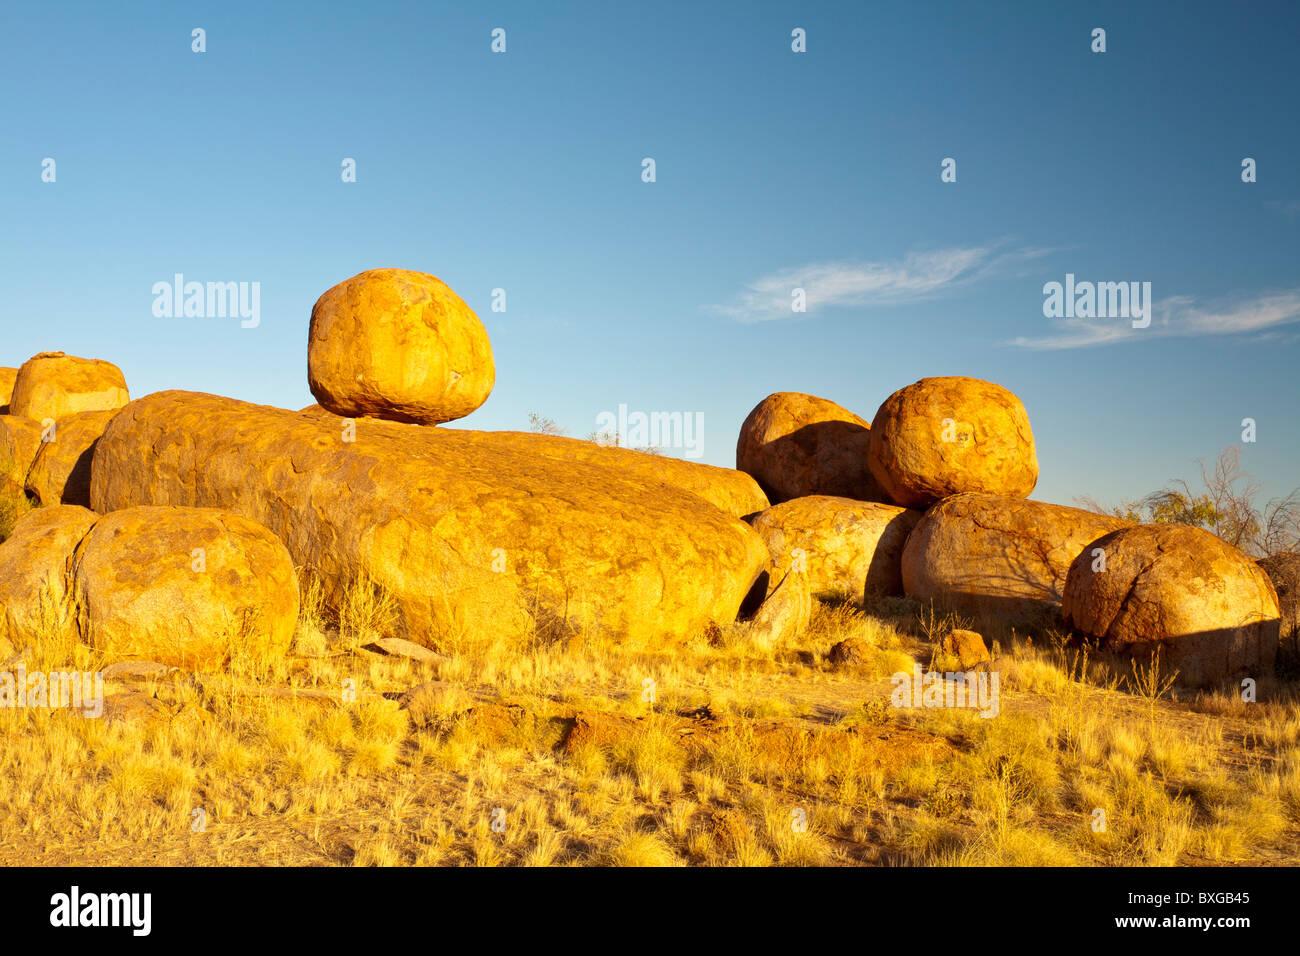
(522, 171)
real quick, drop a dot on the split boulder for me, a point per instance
(846, 547)
(34, 570)
(1210, 611)
(60, 473)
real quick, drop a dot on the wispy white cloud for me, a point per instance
(918, 276)
(1175, 316)
(1288, 208)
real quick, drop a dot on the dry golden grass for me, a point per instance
(308, 759)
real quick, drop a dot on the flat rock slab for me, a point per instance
(398, 647)
(139, 670)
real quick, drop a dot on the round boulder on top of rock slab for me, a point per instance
(847, 548)
(943, 436)
(187, 587)
(797, 445)
(1208, 608)
(53, 385)
(401, 345)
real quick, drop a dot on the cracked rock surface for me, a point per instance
(1210, 610)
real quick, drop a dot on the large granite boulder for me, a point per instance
(473, 534)
(797, 445)
(995, 558)
(845, 547)
(401, 345)
(944, 436)
(53, 385)
(1209, 609)
(186, 587)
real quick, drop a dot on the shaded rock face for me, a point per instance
(472, 534)
(400, 345)
(53, 385)
(1284, 571)
(995, 558)
(183, 586)
(34, 566)
(797, 445)
(7, 377)
(845, 546)
(20, 440)
(944, 436)
(1209, 609)
(60, 473)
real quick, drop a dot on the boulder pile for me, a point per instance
(175, 527)
(931, 498)
(57, 407)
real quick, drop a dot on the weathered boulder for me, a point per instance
(60, 473)
(797, 445)
(185, 587)
(20, 440)
(1209, 609)
(7, 377)
(34, 570)
(729, 490)
(785, 613)
(996, 558)
(401, 345)
(52, 385)
(1284, 571)
(734, 492)
(472, 534)
(943, 436)
(845, 546)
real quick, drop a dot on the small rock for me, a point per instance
(433, 699)
(967, 646)
(138, 670)
(134, 707)
(852, 650)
